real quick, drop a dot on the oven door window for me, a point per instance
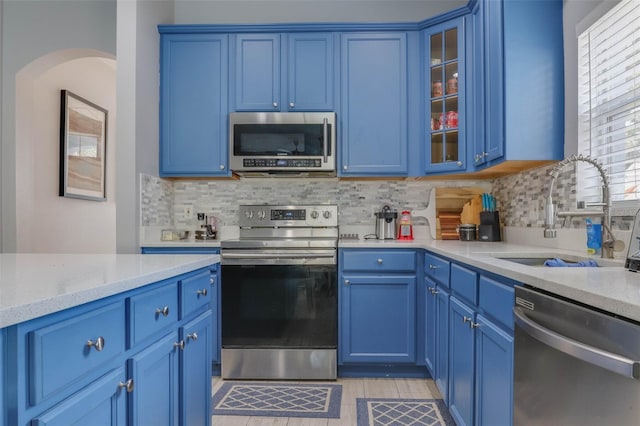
(279, 306)
(273, 140)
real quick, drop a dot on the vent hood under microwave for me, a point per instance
(282, 144)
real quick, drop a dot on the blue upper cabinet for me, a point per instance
(445, 97)
(284, 72)
(374, 123)
(193, 105)
(517, 59)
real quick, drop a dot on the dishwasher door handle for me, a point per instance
(604, 359)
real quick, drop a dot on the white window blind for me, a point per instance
(609, 103)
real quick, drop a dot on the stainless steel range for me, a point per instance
(279, 294)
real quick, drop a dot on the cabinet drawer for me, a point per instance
(152, 311)
(195, 292)
(497, 299)
(61, 353)
(437, 268)
(465, 283)
(379, 260)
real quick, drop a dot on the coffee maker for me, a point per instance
(386, 223)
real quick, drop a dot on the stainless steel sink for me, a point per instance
(538, 259)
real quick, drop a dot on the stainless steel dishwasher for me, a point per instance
(573, 365)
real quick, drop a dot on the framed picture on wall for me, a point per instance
(83, 148)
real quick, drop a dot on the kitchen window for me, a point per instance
(609, 104)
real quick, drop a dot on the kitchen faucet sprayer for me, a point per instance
(609, 242)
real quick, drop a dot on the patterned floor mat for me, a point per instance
(278, 399)
(402, 412)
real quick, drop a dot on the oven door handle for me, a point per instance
(590, 354)
(276, 256)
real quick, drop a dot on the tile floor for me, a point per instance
(351, 389)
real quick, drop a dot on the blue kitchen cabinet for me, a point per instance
(377, 307)
(193, 105)
(430, 319)
(2, 382)
(180, 250)
(103, 403)
(445, 118)
(195, 371)
(518, 81)
(374, 108)
(156, 381)
(284, 72)
(461, 361)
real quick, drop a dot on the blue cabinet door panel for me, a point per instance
(152, 311)
(257, 72)
(195, 374)
(216, 332)
(496, 300)
(430, 319)
(195, 293)
(494, 367)
(193, 105)
(103, 403)
(442, 343)
(374, 104)
(378, 319)
(155, 377)
(461, 362)
(310, 72)
(464, 282)
(2, 383)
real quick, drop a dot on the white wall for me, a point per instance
(47, 223)
(576, 14)
(277, 11)
(30, 30)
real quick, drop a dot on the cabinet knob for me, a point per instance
(467, 319)
(432, 267)
(292, 105)
(459, 164)
(474, 324)
(379, 261)
(98, 344)
(163, 311)
(347, 282)
(275, 105)
(128, 385)
(202, 292)
(212, 280)
(222, 167)
(179, 344)
(345, 167)
(193, 336)
(433, 291)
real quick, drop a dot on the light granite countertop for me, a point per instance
(33, 285)
(612, 288)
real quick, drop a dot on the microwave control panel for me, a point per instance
(281, 162)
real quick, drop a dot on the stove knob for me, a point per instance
(248, 214)
(326, 214)
(261, 214)
(314, 214)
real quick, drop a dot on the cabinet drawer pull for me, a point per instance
(202, 292)
(193, 336)
(127, 385)
(347, 282)
(432, 267)
(433, 291)
(98, 344)
(212, 280)
(179, 344)
(379, 261)
(467, 319)
(474, 324)
(275, 105)
(163, 311)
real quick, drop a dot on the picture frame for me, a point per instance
(83, 148)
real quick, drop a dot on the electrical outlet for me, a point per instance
(188, 212)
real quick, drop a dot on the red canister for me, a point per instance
(436, 88)
(452, 119)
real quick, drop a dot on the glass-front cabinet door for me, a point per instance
(444, 112)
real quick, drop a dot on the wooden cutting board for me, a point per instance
(456, 205)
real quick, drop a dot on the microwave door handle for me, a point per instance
(325, 136)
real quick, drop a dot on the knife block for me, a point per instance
(489, 229)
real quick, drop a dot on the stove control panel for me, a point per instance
(283, 216)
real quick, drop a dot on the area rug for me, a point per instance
(278, 399)
(402, 412)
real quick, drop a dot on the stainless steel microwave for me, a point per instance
(282, 143)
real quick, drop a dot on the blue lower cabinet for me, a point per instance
(103, 403)
(195, 372)
(3, 419)
(494, 374)
(441, 377)
(461, 361)
(430, 323)
(378, 319)
(155, 377)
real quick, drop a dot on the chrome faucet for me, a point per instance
(609, 243)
